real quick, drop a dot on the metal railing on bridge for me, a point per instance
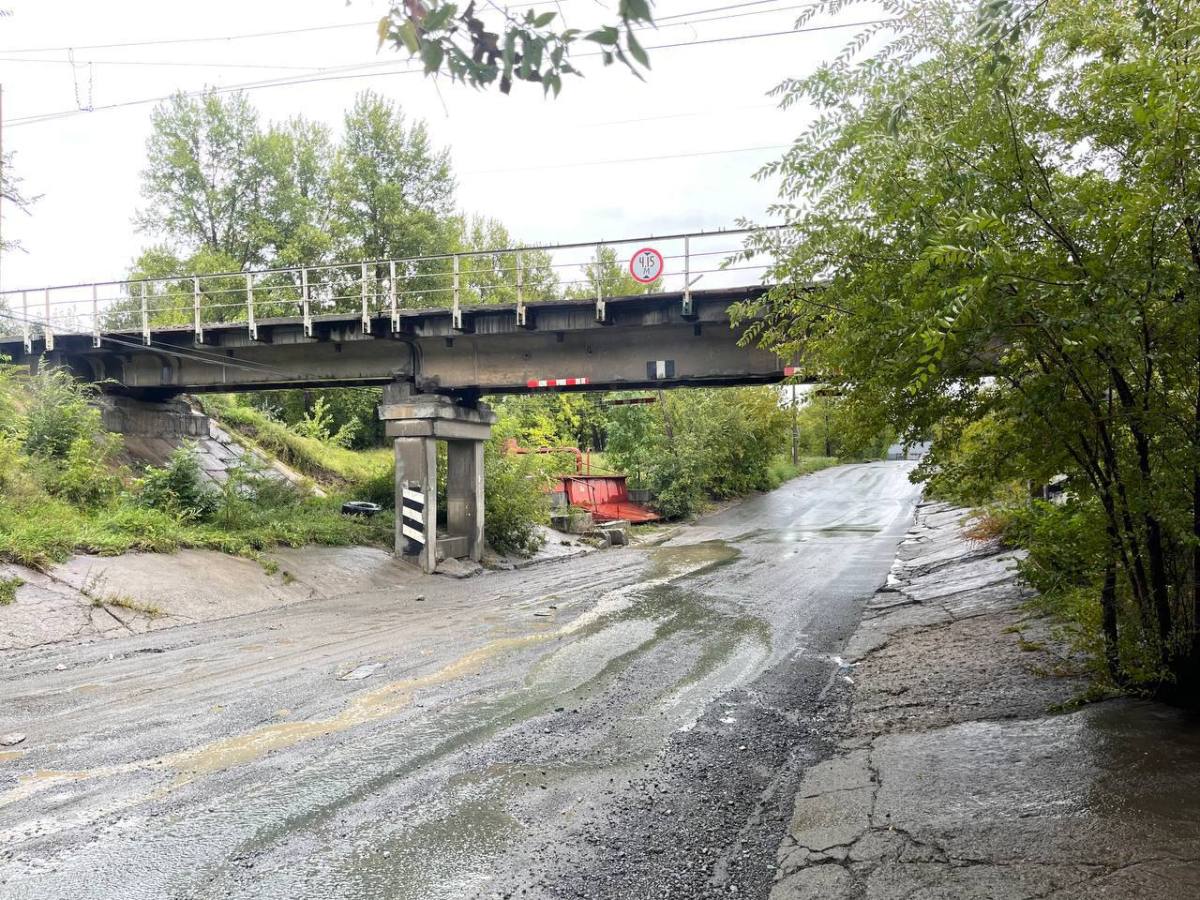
(381, 288)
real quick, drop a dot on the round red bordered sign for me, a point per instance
(646, 266)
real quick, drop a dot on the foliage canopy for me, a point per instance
(1002, 208)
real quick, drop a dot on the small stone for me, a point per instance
(60, 668)
(419, 597)
(11, 740)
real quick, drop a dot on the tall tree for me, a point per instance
(392, 192)
(491, 277)
(1002, 209)
(203, 176)
(294, 226)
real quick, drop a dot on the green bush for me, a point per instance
(86, 477)
(178, 488)
(57, 413)
(782, 470)
(515, 501)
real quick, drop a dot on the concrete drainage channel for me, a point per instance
(952, 777)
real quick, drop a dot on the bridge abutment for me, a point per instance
(416, 422)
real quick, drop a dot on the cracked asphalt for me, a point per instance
(629, 724)
(955, 777)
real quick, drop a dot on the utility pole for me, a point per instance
(795, 431)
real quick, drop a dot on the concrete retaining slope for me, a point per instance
(153, 431)
(953, 779)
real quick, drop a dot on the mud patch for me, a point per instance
(677, 560)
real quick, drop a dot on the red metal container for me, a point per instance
(606, 497)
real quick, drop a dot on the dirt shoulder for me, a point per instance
(955, 779)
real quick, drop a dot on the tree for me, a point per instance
(1002, 213)
(492, 277)
(203, 176)
(393, 194)
(13, 196)
(699, 443)
(527, 48)
(295, 159)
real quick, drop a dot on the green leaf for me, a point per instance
(636, 49)
(438, 18)
(544, 19)
(432, 55)
(634, 10)
(408, 34)
(383, 28)
(607, 36)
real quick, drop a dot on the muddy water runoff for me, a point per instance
(507, 713)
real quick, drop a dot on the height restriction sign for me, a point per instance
(646, 265)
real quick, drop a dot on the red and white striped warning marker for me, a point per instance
(555, 382)
(789, 371)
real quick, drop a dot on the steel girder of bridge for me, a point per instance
(670, 339)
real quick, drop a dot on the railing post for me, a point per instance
(392, 296)
(520, 291)
(48, 331)
(145, 318)
(601, 310)
(305, 306)
(251, 323)
(25, 332)
(197, 324)
(366, 314)
(687, 278)
(95, 316)
(456, 310)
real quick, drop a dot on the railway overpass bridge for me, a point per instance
(437, 333)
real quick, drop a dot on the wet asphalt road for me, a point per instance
(631, 724)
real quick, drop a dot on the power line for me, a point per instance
(160, 63)
(700, 12)
(663, 22)
(630, 159)
(352, 72)
(212, 39)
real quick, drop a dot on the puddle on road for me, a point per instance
(471, 831)
(690, 559)
(798, 535)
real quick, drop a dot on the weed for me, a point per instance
(123, 601)
(8, 590)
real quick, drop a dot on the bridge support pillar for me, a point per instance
(417, 422)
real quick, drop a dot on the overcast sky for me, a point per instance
(570, 169)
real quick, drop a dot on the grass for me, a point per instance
(123, 602)
(46, 531)
(329, 465)
(8, 590)
(781, 469)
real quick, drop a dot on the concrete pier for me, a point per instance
(416, 422)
